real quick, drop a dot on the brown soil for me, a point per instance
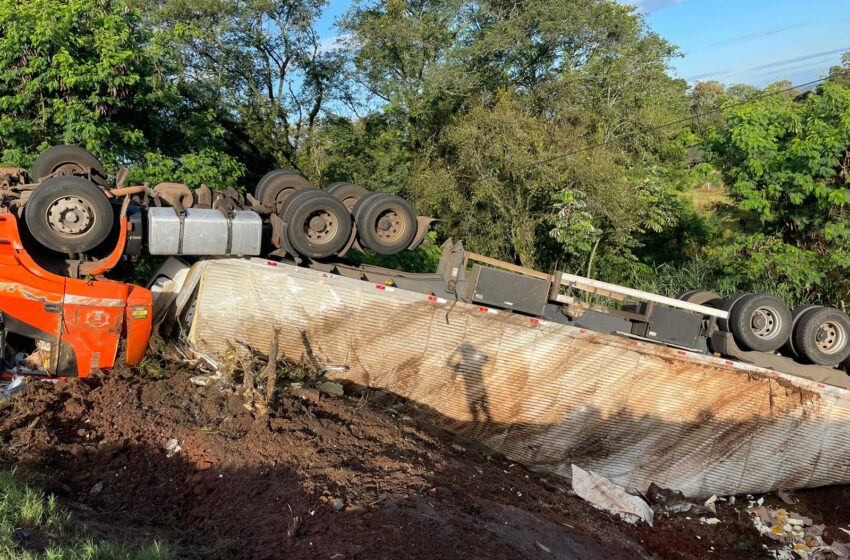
(344, 477)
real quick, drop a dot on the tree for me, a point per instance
(258, 66)
(489, 100)
(89, 72)
(785, 158)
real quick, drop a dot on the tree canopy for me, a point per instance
(550, 133)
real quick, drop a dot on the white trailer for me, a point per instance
(545, 393)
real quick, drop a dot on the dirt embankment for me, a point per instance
(136, 459)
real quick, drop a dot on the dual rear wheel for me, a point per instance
(319, 223)
(810, 334)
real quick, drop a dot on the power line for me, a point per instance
(677, 122)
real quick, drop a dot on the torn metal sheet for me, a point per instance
(543, 394)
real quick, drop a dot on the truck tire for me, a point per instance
(822, 336)
(68, 160)
(760, 322)
(347, 193)
(69, 214)
(358, 207)
(386, 224)
(317, 224)
(728, 306)
(276, 186)
(788, 349)
(700, 297)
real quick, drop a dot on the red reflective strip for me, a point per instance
(534, 321)
(582, 331)
(271, 263)
(729, 362)
(681, 353)
(380, 287)
(432, 298)
(482, 309)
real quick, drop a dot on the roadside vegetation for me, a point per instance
(549, 134)
(34, 527)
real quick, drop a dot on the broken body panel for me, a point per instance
(77, 324)
(545, 394)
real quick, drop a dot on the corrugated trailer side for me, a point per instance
(543, 394)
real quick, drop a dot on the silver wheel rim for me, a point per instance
(320, 227)
(766, 323)
(71, 215)
(831, 337)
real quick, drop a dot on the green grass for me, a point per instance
(27, 511)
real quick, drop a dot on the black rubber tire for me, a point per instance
(50, 191)
(741, 323)
(55, 157)
(347, 193)
(806, 336)
(276, 186)
(357, 209)
(264, 180)
(685, 294)
(701, 297)
(290, 200)
(369, 219)
(728, 306)
(788, 350)
(298, 214)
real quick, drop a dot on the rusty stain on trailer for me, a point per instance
(543, 394)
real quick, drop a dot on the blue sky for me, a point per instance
(735, 41)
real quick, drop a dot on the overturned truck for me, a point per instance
(644, 389)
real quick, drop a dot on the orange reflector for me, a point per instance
(140, 312)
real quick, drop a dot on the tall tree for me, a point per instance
(490, 99)
(258, 66)
(786, 161)
(90, 72)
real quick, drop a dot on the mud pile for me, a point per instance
(339, 477)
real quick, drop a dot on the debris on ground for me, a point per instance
(16, 385)
(609, 496)
(172, 448)
(664, 500)
(330, 387)
(799, 535)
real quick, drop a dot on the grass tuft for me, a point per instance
(34, 527)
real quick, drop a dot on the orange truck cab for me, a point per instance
(55, 326)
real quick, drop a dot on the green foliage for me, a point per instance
(423, 259)
(482, 105)
(258, 66)
(536, 132)
(24, 508)
(91, 72)
(785, 159)
(205, 167)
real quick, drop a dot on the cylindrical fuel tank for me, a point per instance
(203, 231)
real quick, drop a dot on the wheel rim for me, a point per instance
(390, 226)
(320, 227)
(68, 169)
(70, 215)
(281, 197)
(831, 337)
(349, 202)
(766, 323)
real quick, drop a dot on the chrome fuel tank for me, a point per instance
(203, 231)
